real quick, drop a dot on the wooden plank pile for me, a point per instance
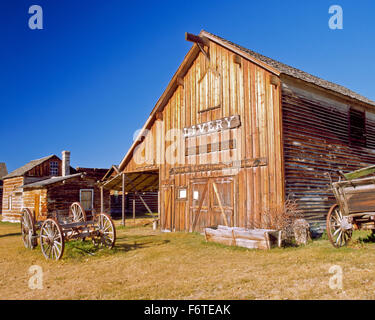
(249, 238)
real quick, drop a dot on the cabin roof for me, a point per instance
(50, 181)
(28, 166)
(272, 65)
(3, 170)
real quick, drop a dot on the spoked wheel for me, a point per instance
(77, 213)
(339, 230)
(51, 240)
(28, 229)
(106, 231)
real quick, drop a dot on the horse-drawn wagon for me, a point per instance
(55, 230)
(355, 205)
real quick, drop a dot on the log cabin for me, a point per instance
(49, 186)
(3, 172)
(235, 134)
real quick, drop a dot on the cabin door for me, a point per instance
(212, 203)
(36, 206)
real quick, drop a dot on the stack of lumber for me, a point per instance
(241, 237)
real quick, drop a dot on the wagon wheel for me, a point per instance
(337, 227)
(28, 229)
(51, 239)
(77, 213)
(106, 231)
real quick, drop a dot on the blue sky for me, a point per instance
(90, 78)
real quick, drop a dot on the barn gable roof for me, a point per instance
(27, 167)
(274, 66)
(293, 72)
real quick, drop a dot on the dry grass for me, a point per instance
(147, 264)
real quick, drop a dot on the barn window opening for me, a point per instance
(182, 194)
(209, 91)
(87, 199)
(357, 127)
(54, 168)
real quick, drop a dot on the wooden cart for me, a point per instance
(55, 230)
(355, 205)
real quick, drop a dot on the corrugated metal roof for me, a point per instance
(50, 181)
(294, 72)
(28, 166)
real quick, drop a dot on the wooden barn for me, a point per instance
(51, 185)
(236, 134)
(3, 172)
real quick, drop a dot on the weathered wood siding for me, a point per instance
(316, 141)
(43, 170)
(61, 196)
(10, 187)
(34, 198)
(1, 196)
(242, 89)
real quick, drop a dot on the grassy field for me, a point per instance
(147, 264)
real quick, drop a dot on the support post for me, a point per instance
(101, 199)
(134, 211)
(123, 199)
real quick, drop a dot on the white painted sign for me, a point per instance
(212, 126)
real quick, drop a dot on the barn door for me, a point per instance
(212, 203)
(222, 204)
(200, 204)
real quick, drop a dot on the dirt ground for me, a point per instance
(147, 264)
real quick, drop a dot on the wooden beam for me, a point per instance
(237, 59)
(275, 80)
(144, 203)
(101, 200)
(123, 199)
(197, 39)
(180, 81)
(134, 211)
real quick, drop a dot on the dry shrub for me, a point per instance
(280, 218)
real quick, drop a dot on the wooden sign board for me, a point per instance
(213, 126)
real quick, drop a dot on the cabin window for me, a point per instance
(10, 204)
(182, 193)
(357, 127)
(87, 199)
(54, 168)
(209, 90)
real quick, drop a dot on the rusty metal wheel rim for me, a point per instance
(51, 240)
(77, 212)
(336, 234)
(106, 230)
(28, 229)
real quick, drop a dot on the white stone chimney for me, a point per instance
(65, 163)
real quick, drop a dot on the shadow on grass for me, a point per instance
(10, 234)
(139, 245)
(369, 239)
